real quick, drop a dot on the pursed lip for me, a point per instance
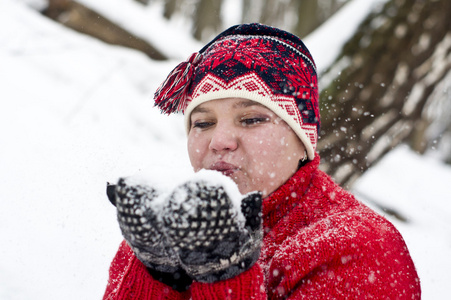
(223, 167)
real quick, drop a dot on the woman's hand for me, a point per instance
(212, 238)
(138, 218)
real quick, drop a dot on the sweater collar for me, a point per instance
(282, 200)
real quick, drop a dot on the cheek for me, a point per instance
(264, 158)
(268, 148)
(196, 149)
(272, 155)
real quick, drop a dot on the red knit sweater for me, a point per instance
(319, 243)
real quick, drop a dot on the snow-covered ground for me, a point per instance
(75, 113)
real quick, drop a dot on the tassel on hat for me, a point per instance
(171, 96)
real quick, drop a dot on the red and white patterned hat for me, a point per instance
(252, 61)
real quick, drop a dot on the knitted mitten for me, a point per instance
(214, 239)
(137, 214)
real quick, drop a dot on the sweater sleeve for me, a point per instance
(247, 285)
(129, 279)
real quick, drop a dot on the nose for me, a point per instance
(224, 138)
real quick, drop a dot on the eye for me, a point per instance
(202, 124)
(253, 121)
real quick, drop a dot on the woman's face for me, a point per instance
(245, 141)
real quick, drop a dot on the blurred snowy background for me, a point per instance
(76, 113)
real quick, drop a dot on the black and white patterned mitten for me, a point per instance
(214, 239)
(138, 218)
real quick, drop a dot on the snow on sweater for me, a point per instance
(319, 243)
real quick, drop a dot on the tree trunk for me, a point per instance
(394, 63)
(145, 2)
(170, 8)
(275, 13)
(85, 20)
(307, 17)
(207, 19)
(251, 11)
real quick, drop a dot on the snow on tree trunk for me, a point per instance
(396, 65)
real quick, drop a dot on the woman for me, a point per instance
(250, 100)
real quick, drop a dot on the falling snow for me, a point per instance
(77, 113)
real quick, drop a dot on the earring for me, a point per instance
(305, 156)
(303, 161)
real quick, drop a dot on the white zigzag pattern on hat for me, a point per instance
(214, 87)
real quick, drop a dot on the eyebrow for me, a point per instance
(200, 109)
(240, 104)
(246, 103)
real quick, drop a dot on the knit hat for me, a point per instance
(252, 61)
